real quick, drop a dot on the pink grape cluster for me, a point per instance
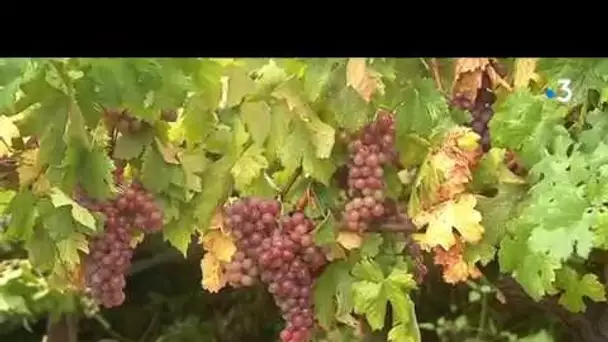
(283, 252)
(371, 148)
(110, 253)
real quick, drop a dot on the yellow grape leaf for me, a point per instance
(335, 253)
(459, 214)
(525, 70)
(350, 240)
(362, 79)
(136, 238)
(213, 276)
(29, 169)
(219, 244)
(8, 131)
(449, 167)
(217, 221)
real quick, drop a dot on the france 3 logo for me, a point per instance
(563, 93)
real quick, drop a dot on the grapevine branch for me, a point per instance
(292, 180)
(435, 72)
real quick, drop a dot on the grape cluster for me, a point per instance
(370, 150)
(480, 109)
(482, 112)
(123, 121)
(241, 271)
(284, 254)
(110, 253)
(415, 252)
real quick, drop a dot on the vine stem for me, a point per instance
(292, 180)
(108, 328)
(435, 72)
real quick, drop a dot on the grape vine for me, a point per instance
(253, 158)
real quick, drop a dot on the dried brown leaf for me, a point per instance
(464, 65)
(350, 240)
(525, 70)
(361, 78)
(496, 79)
(213, 275)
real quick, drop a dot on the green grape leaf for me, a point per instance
(179, 233)
(217, 185)
(41, 249)
(319, 169)
(198, 119)
(95, 174)
(370, 299)
(322, 136)
(402, 279)
(248, 166)
(369, 270)
(317, 75)
(79, 213)
(155, 172)
(326, 233)
(527, 123)
(130, 146)
(256, 116)
(23, 216)
(576, 287)
(69, 249)
(324, 291)
(239, 85)
(371, 245)
(423, 108)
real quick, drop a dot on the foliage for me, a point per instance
(279, 128)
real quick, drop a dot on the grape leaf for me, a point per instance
(41, 249)
(317, 75)
(23, 216)
(577, 287)
(280, 129)
(239, 85)
(69, 249)
(369, 270)
(371, 245)
(155, 173)
(422, 110)
(80, 214)
(129, 146)
(256, 116)
(217, 184)
(325, 287)
(219, 244)
(322, 136)
(213, 278)
(526, 123)
(349, 109)
(248, 166)
(370, 300)
(179, 233)
(326, 232)
(95, 174)
(534, 271)
(198, 119)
